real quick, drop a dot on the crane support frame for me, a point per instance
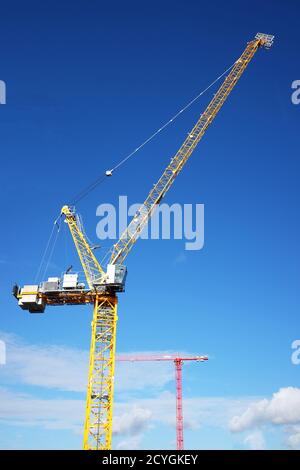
(92, 269)
(100, 391)
(179, 410)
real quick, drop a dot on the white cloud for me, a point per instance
(49, 366)
(198, 411)
(132, 418)
(255, 441)
(293, 441)
(136, 376)
(64, 368)
(282, 408)
(131, 443)
(21, 409)
(132, 423)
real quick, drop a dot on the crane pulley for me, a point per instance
(103, 285)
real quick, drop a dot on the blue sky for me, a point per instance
(86, 84)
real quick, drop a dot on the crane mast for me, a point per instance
(103, 286)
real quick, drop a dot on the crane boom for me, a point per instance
(169, 357)
(135, 227)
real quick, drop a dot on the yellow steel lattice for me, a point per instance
(93, 271)
(99, 404)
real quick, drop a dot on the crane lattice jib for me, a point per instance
(135, 227)
(172, 357)
(93, 272)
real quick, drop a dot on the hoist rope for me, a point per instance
(102, 177)
(44, 256)
(50, 254)
(83, 193)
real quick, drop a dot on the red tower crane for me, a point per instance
(178, 361)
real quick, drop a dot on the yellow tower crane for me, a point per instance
(103, 286)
